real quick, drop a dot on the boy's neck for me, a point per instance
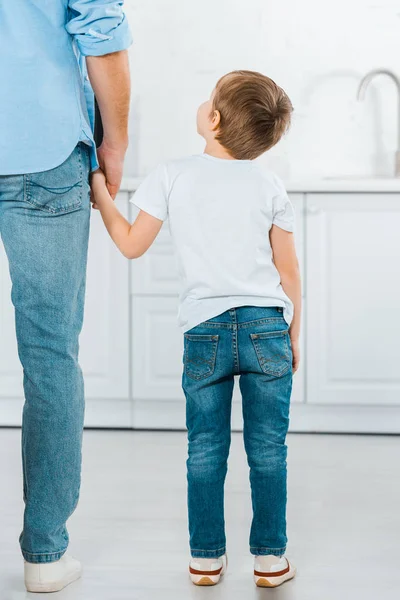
(214, 148)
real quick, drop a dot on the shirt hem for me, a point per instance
(27, 169)
(151, 212)
(284, 225)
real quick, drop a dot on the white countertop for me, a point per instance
(351, 185)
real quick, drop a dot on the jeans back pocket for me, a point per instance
(62, 189)
(273, 352)
(200, 355)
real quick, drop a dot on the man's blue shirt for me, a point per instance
(46, 102)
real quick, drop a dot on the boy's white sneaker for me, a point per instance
(53, 576)
(207, 571)
(271, 571)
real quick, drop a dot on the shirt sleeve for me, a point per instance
(98, 26)
(283, 212)
(152, 194)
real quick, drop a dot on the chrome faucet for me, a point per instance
(361, 94)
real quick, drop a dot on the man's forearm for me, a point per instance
(110, 78)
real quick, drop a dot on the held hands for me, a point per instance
(99, 189)
(111, 160)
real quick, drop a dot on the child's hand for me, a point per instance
(296, 354)
(99, 189)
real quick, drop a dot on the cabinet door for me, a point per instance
(353, 295)
(156, 364)
(104, 344)
(156, 349)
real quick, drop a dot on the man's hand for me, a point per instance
(296, 354)
(111, 161)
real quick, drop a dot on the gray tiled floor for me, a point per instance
(130, 527)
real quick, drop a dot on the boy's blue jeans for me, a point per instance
(253, 343)
(44, 225)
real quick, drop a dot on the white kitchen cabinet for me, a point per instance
(131, 347)
(104, 343)
(353, 295)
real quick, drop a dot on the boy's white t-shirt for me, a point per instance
(220, 212)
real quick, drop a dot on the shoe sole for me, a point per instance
(274, 581)
(205, 580)
(55, 586)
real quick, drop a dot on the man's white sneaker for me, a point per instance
(53, 576)
(271, 571)
(207, 571)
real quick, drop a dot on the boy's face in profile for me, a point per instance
(204, 114)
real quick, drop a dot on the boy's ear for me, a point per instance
(215, 119)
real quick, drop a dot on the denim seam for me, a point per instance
(200, 338)
(259, 322)
(215, 325)
(212, 550)
(265, 548)
(43, 553)
(235, 346)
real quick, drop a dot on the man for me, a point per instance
(46, 153)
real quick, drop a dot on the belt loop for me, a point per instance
(233, 315)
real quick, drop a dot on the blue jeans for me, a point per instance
(44, 225)
(253, 343)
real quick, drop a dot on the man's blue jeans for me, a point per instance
(253, 343)
(44, 225)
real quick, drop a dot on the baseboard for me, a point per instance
(313, 418)
(170, 414)
(99, 412)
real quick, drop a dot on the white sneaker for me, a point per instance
(53, 576)
(271, 571)
(207, 571)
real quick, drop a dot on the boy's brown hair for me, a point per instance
(255, 113)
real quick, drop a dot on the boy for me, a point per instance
(231, 223)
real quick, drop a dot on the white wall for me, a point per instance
(316, 50)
